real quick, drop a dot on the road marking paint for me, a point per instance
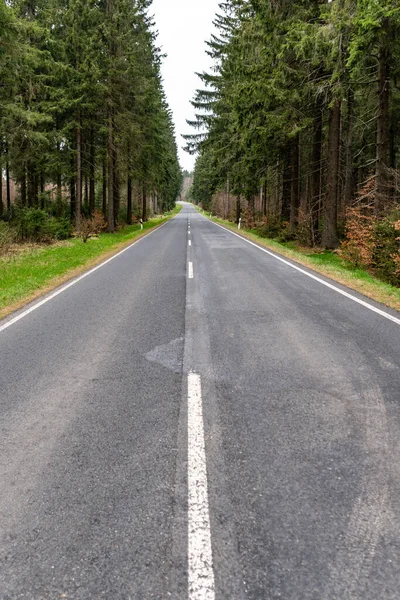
(200, 565)
(380, 312)
(75, 281)
(190, 242)
(190, 274)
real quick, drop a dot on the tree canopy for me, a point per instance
(300, 114)
(83, 115)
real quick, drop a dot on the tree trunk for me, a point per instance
(86, 192)
(59, 188)
(104, 194)
(383, 121)
(36, 183)
(295, 191)
(329, 233)
(277, 189)
(228, 197)
(110, 160)
(250, 204)
(22, 188)
(72, 183)
(92, 169)
(42, 191)
(287, 184)
(392, 141)
(72, 194)
(315, 186)
(33, 187)
(264, 198)
(59, 184)
(238, 210)
(72, 190)
(78, 199)
(110, 143)
(30, 185)
(116, 188)
(144, 202)
(348, 169)
(129, 201)
(393, 157)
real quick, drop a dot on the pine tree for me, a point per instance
(289, 109)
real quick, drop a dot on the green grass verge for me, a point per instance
(326, 263)
(30, 274)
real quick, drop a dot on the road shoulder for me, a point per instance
(69, 275)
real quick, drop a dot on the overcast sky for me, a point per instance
(184, 26)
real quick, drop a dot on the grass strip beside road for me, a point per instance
(326, 263)
(31, 274)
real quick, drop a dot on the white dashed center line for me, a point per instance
(190, 271)
(201, 574)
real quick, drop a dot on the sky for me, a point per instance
(184, 26)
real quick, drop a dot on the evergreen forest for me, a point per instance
(297, 125)
(85, 129)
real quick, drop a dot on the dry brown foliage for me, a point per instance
(360, 244)
(91, 226)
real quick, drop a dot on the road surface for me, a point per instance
(198, 419)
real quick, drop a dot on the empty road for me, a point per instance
(199, 420)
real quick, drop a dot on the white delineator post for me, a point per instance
(200, 566)
(240, 223)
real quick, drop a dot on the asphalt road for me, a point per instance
(188, 400)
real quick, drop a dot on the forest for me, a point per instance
(297, 125)
(86, 134)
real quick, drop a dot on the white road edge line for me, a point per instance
(190, 270)
(380, 312)
(200, 564)
(74, 281)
